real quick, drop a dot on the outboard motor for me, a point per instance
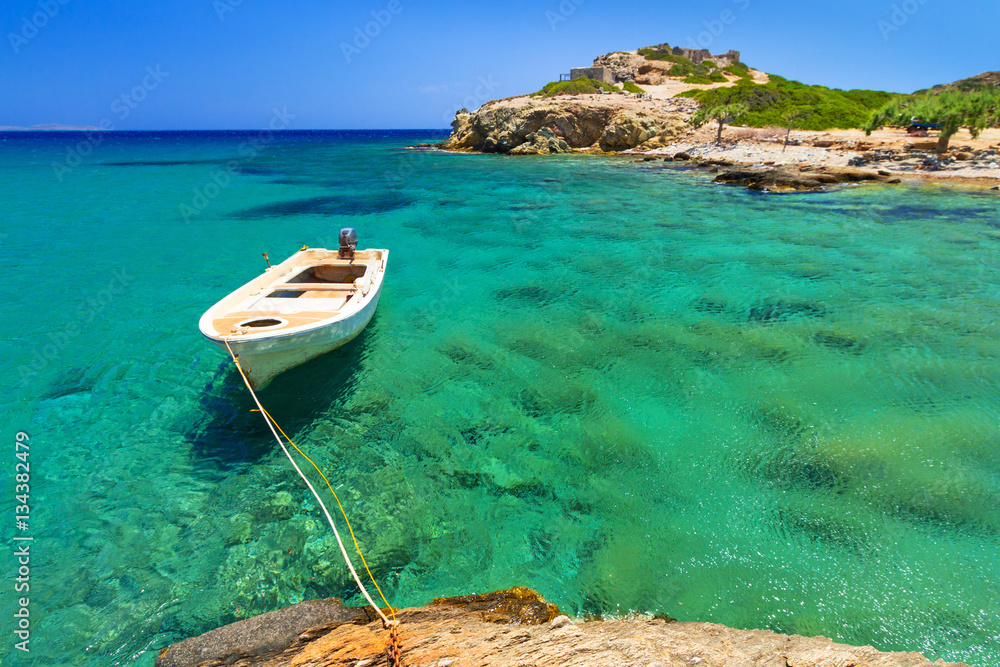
(348, 242)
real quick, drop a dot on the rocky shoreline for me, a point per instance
(513, 627)
(758, 158)
(579, 123)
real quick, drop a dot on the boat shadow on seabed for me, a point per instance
(232, 436)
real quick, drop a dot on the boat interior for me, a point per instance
(302, 295)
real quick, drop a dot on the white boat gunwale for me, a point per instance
(374, 258)
(309, 318)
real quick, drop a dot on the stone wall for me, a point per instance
(596, 73)
(698, 55)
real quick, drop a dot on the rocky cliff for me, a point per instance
(540, 126)
(515, 627)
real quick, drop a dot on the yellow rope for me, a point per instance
(346, 520)
(271, 422)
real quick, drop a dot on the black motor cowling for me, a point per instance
(348, 241)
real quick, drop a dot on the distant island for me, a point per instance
(50, 127)
(713, 110)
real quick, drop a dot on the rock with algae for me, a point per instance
(514, 627)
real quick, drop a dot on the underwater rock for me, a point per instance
(241, 530)
(513, 627)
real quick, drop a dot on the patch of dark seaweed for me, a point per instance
(704, 305)
(532, 293)
(826, 531)
(466, 355)
(450, 202)
(778, 310)
(531, 403)
(480, 435)
(291, 181)
(257, 170)
(836, 341)
(777, 422)
(527, 207)
(160, 163)
(73, 381)
(327, 205)
(906, 212)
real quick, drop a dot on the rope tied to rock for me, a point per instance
(393, 626)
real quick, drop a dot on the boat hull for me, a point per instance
(310, 304)
(264, 358)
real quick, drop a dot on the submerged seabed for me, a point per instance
(620, 385)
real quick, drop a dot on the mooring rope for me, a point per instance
(274, 425)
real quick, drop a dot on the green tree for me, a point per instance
(721, 113)
(951, 111)
(791, 118)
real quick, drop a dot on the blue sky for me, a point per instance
(217, 64)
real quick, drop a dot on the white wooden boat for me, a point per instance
(313, 302)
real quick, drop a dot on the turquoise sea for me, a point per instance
(608, 380)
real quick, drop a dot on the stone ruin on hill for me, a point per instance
(624, 66)
(597, 73)
(699, 55)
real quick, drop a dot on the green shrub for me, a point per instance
(581, 86)
(714, 77)
(630, 87)
(697, 78)
(739, 69)
(699, 70)
(652, 54)
(710, 64)
(771, 103)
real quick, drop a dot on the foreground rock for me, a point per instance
(788, 178)
(513, 627)
(542, 126)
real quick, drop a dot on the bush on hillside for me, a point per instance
(714, 77)
(771, 103)
(581, 86)
(630, 87)
(699, 70)
(652, 54)
(737, 68)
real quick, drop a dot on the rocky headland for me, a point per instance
(505, 628)
(656, 124)
(583, 123)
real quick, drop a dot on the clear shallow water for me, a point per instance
(615, 383)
